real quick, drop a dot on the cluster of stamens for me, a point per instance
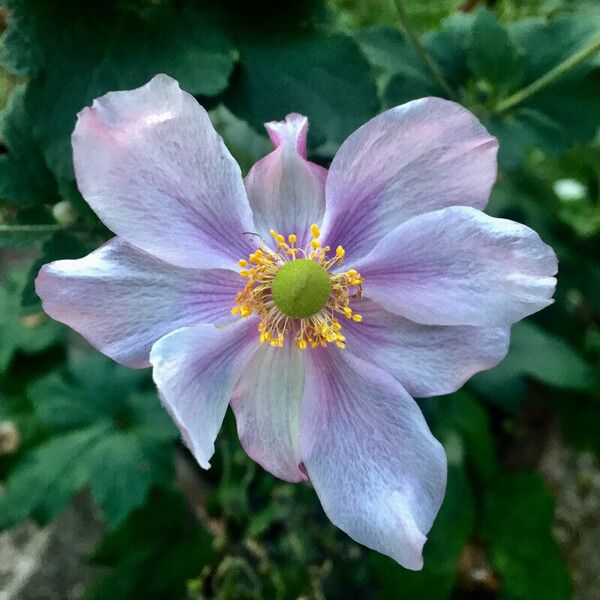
(278, 321)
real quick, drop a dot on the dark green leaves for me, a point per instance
(108, 432)
(518, 513)
(322, 76)
(536, 354)
(20, 332)
(492, 57)
(24, 176)
(153, 553)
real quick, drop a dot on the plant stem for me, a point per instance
(31, 228)
(421, 49)
(550, 77)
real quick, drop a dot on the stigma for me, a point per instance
(296, 293)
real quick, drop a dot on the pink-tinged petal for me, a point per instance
(151, 165)
(287, 192)
(195, 370)
(122, 299)
(266, 403)
(428, 360)
(378, 471)
(459, 266)
(422, 156)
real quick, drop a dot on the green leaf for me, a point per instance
(535, 353)
(516, 524)
(447, 538)
(462, 424)
(390, 51)
(18, 332)
(24, 177)
(97, 49)
(322, 76)
(387, 49)
(19, 52)
(154, 553)
(492, 55)
(60, 246)
(244, 143)
(106, 432)
(563, 113)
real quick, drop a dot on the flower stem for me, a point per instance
(550, 77)
(421, 49)
(25, 229)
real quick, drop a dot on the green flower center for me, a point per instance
(301, 288)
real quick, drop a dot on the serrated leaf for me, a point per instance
(322, 76)
(19, 332)
(24, 177)
(19, 51)
(107, 51)
(105, 433)
(517, 517)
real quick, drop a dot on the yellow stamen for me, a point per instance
(314, 331)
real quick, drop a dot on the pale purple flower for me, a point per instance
(400, 206)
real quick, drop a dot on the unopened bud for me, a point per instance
(10, 438)
(64, 213)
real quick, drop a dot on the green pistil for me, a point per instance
(301, 288)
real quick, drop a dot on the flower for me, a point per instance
(316, 303)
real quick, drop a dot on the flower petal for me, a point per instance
(266, 403)
(427, 360)
(122, 299)
(375, 466)
(459, 266)
(151, 165)
(195, 370)
(287, 192)
(422, 156)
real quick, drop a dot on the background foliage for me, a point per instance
(78, 421)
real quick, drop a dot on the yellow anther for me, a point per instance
(313, 331)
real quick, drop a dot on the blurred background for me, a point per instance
(98, 497)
